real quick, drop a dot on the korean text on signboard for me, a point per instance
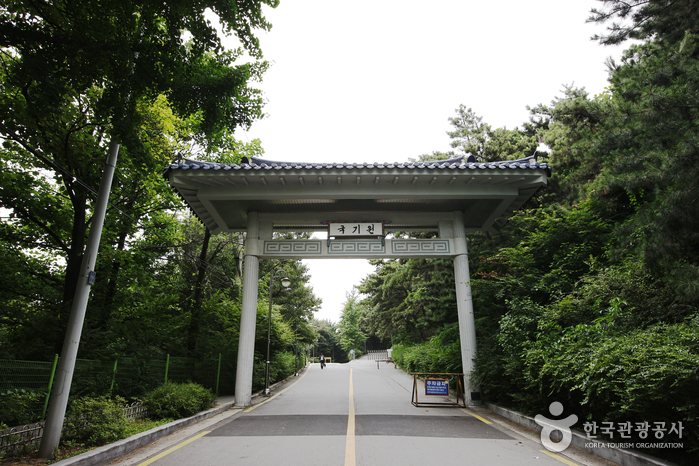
(356, 229)
(437, 387)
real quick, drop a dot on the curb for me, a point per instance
(615, 455)
(114, 450)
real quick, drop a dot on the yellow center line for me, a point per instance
(276, 395)
(559, 458)
(167, 452)
(470, 413)
(552, 455)
(350, 454)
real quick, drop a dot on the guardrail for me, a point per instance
(377, 354)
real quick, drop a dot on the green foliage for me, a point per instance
(442, 353)
(178, 400)
(470, 134)
(651, 166)
(573, 121)
(558, 251)
(142, 425)
(474, 138)
(327, 342)
(283, 366)
(19, 406)
(590, 297)
(351, 336)
(609, 373)
(95, 421)
(640, 19)
(124, 73)
(92, 422)
(133, 51)
(297, 303)
(407, 299)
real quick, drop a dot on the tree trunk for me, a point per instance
(198, 295)
(110, 292)
(74, 259)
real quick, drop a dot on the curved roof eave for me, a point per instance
(220, 195)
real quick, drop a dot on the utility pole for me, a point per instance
(66, 367)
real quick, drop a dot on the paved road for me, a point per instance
(352, 414)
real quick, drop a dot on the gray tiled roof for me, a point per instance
(411, 193)
(256, 163)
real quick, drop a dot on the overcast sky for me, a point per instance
(377, 80)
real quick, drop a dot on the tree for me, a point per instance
(668, 21)
(474, 138)
(134, 50)
(326, 341)
(120, 55)
(567, 126)
(76, 74)
(50, 213)
(351, 337)
(296, 303)
(649, 140)
(407, 298)
(470, 134)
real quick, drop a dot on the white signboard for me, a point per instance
(356, 229)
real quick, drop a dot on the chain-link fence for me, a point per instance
(30, 375)
(125, 377)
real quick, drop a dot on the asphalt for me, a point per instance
(136, 449)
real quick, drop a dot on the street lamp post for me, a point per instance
(285, 283)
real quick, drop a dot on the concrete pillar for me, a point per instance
(248, 315)
(464, 306)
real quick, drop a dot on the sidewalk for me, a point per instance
(107, 453)
(114, 450)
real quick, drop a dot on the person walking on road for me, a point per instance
(322, 361)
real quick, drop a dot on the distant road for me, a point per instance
(353, 414)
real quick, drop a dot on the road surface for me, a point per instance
(352, 414)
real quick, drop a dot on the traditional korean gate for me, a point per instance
(449, 197)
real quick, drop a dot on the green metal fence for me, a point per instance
(128, 377)
(31, 375)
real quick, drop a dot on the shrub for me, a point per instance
(95, 421)
(175, 400)
(20, 406)
(441, 354)
(281, 367)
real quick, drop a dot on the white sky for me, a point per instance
(376, 80)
